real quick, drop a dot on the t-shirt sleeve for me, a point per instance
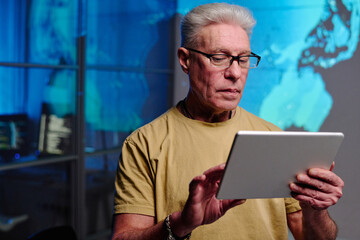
(292, 205)
(134, 182)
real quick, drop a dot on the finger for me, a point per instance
(215, 174)
(331, 197)
(206, 185)
(216, 169)
(228, 204)
(332, 166)
(314, 183)
(195, 182)
(237, 202)
(313, 202)
(326, 176)
(203, 187)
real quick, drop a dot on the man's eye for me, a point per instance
(219, 59)
(244, 59)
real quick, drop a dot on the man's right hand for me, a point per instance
(202, 206)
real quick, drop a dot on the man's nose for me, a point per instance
(234, 71)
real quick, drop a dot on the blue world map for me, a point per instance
(296, 39)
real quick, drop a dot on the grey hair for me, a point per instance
(213, 13)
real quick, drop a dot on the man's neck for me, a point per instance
(203, 115)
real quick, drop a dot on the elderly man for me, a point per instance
(157, 195)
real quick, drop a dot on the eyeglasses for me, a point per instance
(225, 60)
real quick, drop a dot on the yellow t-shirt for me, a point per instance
(159, 160)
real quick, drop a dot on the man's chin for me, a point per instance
(228, 105)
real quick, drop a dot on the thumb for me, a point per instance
(228, 204)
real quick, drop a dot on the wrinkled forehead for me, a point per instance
(223, 37)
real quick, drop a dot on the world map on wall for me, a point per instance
(296, 40)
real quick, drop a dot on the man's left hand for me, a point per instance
(317, 188)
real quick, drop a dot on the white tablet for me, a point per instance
(262, 164)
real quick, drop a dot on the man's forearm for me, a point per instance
(156, 232)
(317, 224)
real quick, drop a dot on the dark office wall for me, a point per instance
(344, 85)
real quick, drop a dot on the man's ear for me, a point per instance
(183, 55)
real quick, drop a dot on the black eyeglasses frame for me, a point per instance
(233, 58)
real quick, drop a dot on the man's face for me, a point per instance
(218, 88)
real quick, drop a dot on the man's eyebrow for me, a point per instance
(226, 51)
(247, 52)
